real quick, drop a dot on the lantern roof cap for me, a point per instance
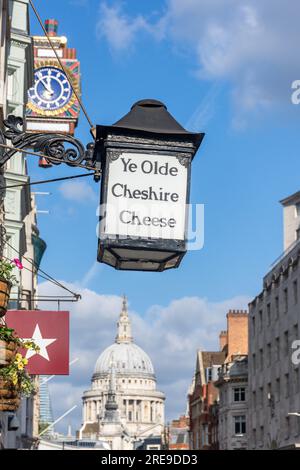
(150, 116)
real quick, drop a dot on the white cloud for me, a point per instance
(170, 335)
(118, 29)
(78, 191)
(251, 45)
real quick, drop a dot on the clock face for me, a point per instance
(51, 90)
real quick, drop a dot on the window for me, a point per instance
(268, 354)
(260, 313)
(287, 385)
(287, 427)
(297, 211)
(129, 415)
(286, 343)
(239, 424)
(204, 435)
(261, 358)
(277, 306)
(254, 362)
(286, 300)
(295, 291)
(253, 325)
(254, 437)
(261, 434)
(269, 313)
(239, 394)
(269, 391)
(277, 348)
(261, 396)
(209, 374)
(12, 83)
(278, 388)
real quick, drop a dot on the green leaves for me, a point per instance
(6, 271)
(15, 373)
(8, 334)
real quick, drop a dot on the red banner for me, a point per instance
(50, 331)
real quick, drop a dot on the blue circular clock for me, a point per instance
(51, 90)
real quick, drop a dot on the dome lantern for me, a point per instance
(124, 325)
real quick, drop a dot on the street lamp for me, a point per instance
(145, 163)
(146, 167)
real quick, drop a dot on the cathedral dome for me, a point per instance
(123, 399)
(128, 359)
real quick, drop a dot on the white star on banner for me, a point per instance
(41, 342)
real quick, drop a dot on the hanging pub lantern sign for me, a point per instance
(146, 167)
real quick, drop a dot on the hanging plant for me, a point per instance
(15, 381)
(7, 280)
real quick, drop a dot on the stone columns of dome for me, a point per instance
(142, 411)
(134, 411)
(159, 412)
(126, 409)
(91, 410)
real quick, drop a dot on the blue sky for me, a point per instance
(223, 71)
(239, 174)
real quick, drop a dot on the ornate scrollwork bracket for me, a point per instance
(57, 148)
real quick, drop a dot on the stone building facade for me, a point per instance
(18, 203)
(274, 326)
(233, 404)
(4, 46)
(19, 224)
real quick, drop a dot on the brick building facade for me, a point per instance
(179, 433)
(204, 394)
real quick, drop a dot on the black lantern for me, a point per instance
(146, 162)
